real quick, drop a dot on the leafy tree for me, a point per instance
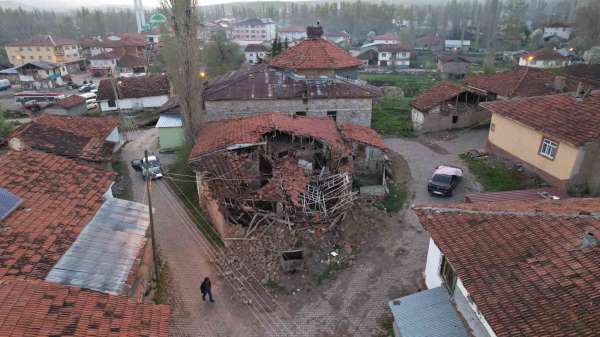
(221, 56)
(5, 127)
(488, 61)
(536, 39)
(592, 56)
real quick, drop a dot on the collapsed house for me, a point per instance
(287, 169)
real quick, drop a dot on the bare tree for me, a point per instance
(181, 54)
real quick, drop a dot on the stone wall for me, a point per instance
(348, 110)
(436, 120)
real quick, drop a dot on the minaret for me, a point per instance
(140, 18)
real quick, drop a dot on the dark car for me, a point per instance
(137, 164)
(444, 180)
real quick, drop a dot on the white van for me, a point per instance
(89, 97)
(4, 84)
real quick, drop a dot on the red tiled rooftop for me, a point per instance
(40, 309)
(519, 82)
(71, 101)
(544, 54)
(361, 134)
(315, 53)
(561, 116)
(393, 48)
(42, 41)
(134, 87)
(99, 127)
(292, 29)
(437, 94)
(523, 264)
(386, 36)
(217, 135)
(59, 196)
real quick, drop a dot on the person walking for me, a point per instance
(205, 289)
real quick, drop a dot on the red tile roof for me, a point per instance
(545, 54)
(255, 48)
(520, 82)
(41, 309)
(561, 116)
(523, 263)
(71, 101)
(104, 56)
(134, 87)
(42, 41)
(315, 54)
(73, 137)
(59, 196)
(437, 94)
(264, 82)
(393, 48)
(356, 133)
(292, 29)
(528, 194)
(131, 61)
(217, 135)
(386, 36)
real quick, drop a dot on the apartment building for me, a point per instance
(254, 30)
(43, 48)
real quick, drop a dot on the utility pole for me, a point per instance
(149, 192)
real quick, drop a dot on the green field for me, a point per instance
(495, 178)
(391, 116)
(411, 84)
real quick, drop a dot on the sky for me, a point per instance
(64, 4)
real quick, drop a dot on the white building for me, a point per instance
(103, 64)
(258, 30)
(386, 39)
(291, 33)
(562, 31)
(133, 93)
(256, 53)
(386, 55)
(457, 44)
(543, 59)
(502, 271)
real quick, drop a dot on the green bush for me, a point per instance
(495, 178)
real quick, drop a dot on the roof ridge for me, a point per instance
(590, 215)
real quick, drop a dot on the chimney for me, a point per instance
(589, 240)
(582, 93)
(560, 83)
(314, 32)
(16, 144)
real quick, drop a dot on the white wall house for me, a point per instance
(543, 59)
(438, 272)
(562, 32)
(254, 53)
(254, 30)
(386, 39)
(138, 103)
(291, 33)
(133, 93)
(457, 44)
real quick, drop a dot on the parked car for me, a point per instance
(152, 169)
(444, 180)
(4, 84)
(87, 87)
(73, 85)
(91, 105)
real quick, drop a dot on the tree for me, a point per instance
(536, 39)
(182, 59)
(221, 56)
(5, 127)
(592, 56)
(488, 61)
(276, 46)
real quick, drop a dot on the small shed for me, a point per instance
(69, 106)
(170, 131)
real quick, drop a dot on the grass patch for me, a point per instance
(387, 325)
(330, 271)
(392, 116)
(184, 185)
(495, 178)
(411, 84)
(425, 61)
(394, 202)
(122, 187)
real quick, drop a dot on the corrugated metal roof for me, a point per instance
(8, 203)
(427, 313)
(103, 254)
(169, 121)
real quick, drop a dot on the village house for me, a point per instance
(500, 269)
(543, 59)
(256, 53)
(129, 65)
(556, 136)
(41, 74)
(170, 128)
(45, 48)
(292, 169)
(258, 30)
(387, 55)
(431, 42)
(133, 93)
(263, 88)
(122, 44)
(291, 33)
(69, 252)
(447, 106)
(73, 105)
(338, 38)
(522, 82)
(89, 139)
(316, 56)
(463, 45)
(102, 64)
(452, 66)
(559, 30)
(386, 39)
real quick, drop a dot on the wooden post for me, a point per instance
(149, 191)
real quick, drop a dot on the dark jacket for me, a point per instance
(205, 286)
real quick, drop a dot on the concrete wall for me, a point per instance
(542, 64)
(135, 103)
(453, 68)
(357, 111)
(524, 143)
(211, 207)
(432, 268)
(170, 138)
(433, 120)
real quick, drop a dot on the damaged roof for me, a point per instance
(60, 196)
(562, 116)
(524, 263)
(41, 309)
(218, 135)
(70, 136)
(437, 94)
(134, 87)
(263, 82)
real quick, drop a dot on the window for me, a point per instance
(300, 113)
(548, 148)
(31, 57)
(111, 103)
(454, 119)
(332, 114)
(448, 275)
